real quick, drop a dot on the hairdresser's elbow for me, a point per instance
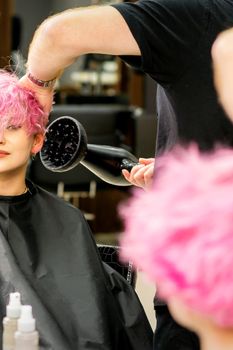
(49, 31)
(223, 46)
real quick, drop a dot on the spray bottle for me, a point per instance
(26, 336)
(13, 310)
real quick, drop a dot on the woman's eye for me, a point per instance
(13, 127)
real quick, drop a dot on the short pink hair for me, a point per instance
(181, 232)
(18, 105)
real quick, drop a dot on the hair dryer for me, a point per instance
(66, 146)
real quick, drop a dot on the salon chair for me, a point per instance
(143, 287)
(110, 255)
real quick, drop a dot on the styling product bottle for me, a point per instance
(66, 146)
(13, 310)
(26, 336)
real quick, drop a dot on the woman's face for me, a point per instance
(16, 147)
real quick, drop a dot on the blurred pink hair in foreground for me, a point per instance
(181, 232)
(18, 106)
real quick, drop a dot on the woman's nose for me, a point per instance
(2, 136)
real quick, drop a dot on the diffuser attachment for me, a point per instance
(65, 145)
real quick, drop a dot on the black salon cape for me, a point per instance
(48, 254)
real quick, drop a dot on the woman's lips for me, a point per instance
(3, 154)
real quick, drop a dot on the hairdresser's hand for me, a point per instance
(43, 95)
(141, 175)
(222, 54)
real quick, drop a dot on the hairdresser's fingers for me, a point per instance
(148, 176)
(130, 175)
(43, 95)
(45, 100)
(135, 178)
(146, 161)
(144, 176)
(126, 174)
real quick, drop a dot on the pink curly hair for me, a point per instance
(18, 105)
(181, 232)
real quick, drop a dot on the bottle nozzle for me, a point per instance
(13, 309)
(26, 322)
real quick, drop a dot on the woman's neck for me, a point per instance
(12, 185)
(219, 339)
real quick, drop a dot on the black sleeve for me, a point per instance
(168, 32)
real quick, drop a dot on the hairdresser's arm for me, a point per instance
(142, 174)
(222, 53)
(62, 38)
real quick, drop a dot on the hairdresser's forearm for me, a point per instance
(62, 38)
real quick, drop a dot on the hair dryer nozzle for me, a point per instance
(65, 144)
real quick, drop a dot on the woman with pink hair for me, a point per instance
(183, 240)
(22, 127)
(47, 251)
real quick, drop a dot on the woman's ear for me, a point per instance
(37, 143)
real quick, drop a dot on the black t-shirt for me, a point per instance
(175, 39)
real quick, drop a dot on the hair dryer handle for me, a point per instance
(128, 164)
